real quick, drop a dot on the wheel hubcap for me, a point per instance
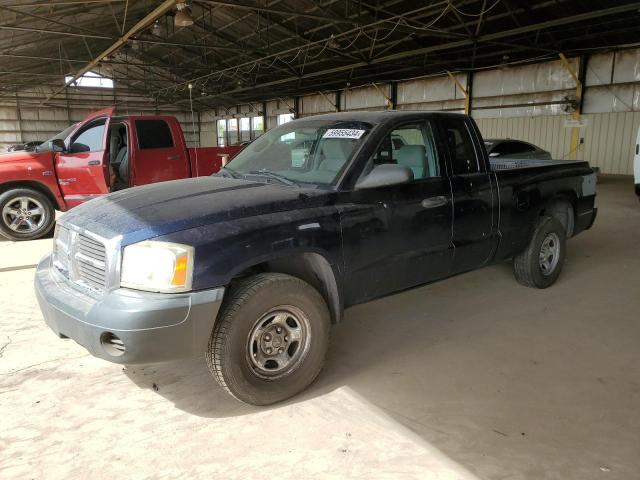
(278, 341)
(549, 253)
(23, 215)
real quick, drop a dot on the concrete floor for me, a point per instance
(473, 377)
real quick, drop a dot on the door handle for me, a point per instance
(94, 162)
(173, 157)
(435, 202)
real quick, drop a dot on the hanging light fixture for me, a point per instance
(183, 16)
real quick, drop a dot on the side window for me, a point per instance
(90, 139)
(413, 146)
(153, 134)
(463, 155)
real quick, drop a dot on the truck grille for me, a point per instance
(81, 258)
(91, 262)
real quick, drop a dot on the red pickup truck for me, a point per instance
(101, 154)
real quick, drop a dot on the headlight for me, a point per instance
(157, 267)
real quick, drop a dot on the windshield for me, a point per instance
(46, 145)
(307, 151)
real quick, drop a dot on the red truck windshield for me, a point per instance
(46, 145)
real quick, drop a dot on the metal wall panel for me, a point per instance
(315, 104)
(365, 98)
(430, 90)
(609, 138)
(30, 123)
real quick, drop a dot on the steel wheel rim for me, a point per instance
(278, 342)
(549, 254)
(24, 215)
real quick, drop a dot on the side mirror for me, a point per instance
(57, 145)
(79, 148)
(385, 175)
(494, 154)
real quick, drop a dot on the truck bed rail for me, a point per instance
(513, 163)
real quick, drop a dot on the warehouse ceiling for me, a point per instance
(235, 52)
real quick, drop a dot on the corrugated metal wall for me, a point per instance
(527, 102)
(609, 138)
(23, 120)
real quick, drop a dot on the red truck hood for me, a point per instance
(22, 155)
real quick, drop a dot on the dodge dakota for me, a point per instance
(248, 268)
(101, 154)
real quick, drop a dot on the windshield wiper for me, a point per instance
(224, 171)
(268, 174)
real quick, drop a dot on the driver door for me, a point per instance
(83, 168)
(399, 236)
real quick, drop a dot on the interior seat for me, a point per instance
(121, 160)
(414, 157)
(335, 152)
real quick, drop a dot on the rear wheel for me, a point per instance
(270, 339)
(539, 266)
(25, 214)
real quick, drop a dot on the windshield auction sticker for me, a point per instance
(343, 133)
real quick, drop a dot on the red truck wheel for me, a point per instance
(25, 214)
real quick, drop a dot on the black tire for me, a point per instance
(528, 267)
(43, 221)
(247, 311)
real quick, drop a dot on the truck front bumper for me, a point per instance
(127, 326)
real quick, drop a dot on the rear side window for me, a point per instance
(461, 151)
(153, 134)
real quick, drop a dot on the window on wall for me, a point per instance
(257, 127)
(245, 129)
(232, 129)
(284, 118)
(222, 132)
(90, 79)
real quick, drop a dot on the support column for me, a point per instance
(577, 113)
(394, 95)
(19, 115)
(465, 92)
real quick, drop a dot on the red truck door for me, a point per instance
(159, 151)
(82, 169)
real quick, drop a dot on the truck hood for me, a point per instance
(21, 155)
(162, 208)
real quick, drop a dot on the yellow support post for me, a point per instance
(388, 101)
(332, 103)
(576, 115)
(464, 91)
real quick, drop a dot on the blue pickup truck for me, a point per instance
(249, 268)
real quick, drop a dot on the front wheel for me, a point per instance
(25, 214)
(539, 266)
(270, 339)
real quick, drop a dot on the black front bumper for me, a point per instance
(153, 327)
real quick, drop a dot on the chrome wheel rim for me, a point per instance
(24, 214)
(278, 342)
(549, 254)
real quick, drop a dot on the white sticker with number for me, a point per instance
(351, 133)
